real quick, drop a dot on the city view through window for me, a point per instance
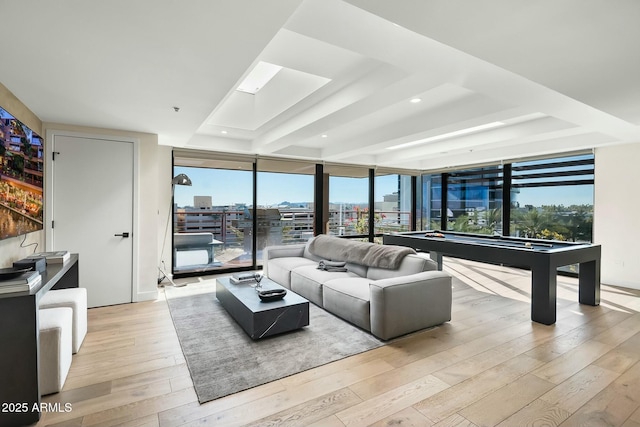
(220, 202)
(549, 199)
(214, 225)
(553, 199)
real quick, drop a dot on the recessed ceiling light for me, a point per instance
(449, 135)
(261, 74)
(324, 135)
(415, 100)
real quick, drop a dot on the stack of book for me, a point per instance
(239, 278)
(55, 257)
(24, 282)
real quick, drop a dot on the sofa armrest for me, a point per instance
(280, 251)
(405, 304)
(429, 264)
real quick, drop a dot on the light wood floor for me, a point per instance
(489, 366)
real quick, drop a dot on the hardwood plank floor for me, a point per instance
(489, 366)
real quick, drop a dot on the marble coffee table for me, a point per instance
(262, 319)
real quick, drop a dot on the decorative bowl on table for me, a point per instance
(272, 294)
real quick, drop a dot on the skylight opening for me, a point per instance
(261, 74)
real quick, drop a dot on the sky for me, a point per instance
(227, 187)
(579, 195)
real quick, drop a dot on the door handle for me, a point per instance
(125, 234)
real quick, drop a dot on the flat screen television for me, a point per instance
(21, 177)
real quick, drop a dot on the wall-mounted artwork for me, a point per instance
(21, 177)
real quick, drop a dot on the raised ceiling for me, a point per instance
(549, 76)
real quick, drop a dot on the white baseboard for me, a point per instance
(146, 296)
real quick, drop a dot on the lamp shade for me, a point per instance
(181, 179)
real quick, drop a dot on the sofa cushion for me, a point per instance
(349, 299)
(280, 268)
(364, 253)
(307, 281)
(360, 270)
(411, 264)
(307, 253)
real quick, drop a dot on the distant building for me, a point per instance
(202, 202)
(393, 197)
(390, 203)
(233, 224)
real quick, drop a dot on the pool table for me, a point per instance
(542, 257)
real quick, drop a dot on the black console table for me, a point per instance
(19, 335)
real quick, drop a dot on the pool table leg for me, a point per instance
(437, 257)
(543, 293)
(589, 283)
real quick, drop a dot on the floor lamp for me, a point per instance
(180, 179)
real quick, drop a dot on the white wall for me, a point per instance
(616, 213)
(12, 249)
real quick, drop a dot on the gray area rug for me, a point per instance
(223, 359)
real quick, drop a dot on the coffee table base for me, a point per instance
(262, 319)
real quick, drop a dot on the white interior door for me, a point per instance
(92, 192)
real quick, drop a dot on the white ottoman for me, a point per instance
(55, 348)
(76, 299)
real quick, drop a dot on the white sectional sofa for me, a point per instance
(386, 290)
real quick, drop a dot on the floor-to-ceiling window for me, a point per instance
(431, 195)
(285, 208)
(213, 217)
(553, 198)
(237, 205)
(474, 200)
(393, 202)
(348, 200)
(549, 198)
